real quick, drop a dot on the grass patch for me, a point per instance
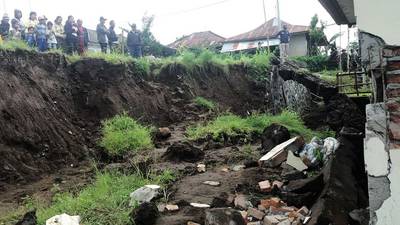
(14, 45)
(122, 134)
(205, 103)
(205, 60)
(328, 76)
(232, 125)
(105, 202)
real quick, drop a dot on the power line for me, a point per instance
(196, 8)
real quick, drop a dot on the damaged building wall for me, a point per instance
(382, 146)
(384, 21)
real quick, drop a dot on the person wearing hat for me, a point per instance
(135, 42)
(41, 34)
(5, 27)
(102, 33)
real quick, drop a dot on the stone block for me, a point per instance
(265, 186)
(255, 213)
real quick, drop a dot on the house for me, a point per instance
(204, 39)
(93, 42)
(259, 38)
(379, 41)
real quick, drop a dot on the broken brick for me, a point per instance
(303, 211)
(265, 186)
(276, 202)
(172, 208)
(242, 202)
(270, 220)
(278, 184)
(255, 213)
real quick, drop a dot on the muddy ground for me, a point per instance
(50, 114)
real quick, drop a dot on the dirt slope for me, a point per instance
(50, 111)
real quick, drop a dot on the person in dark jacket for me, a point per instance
(71, 35)
(83, 38)
(102, 33)
(112, 36)
(135, 42)
(5, 27)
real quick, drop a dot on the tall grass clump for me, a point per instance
(122, 134)
(104, 202)
(205, 103)
(232, 125)
(14, 45)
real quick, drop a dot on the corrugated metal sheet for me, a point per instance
(238, 46)
(268, 29)
(199, 39)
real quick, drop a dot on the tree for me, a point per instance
(317, 36)
(150, 44)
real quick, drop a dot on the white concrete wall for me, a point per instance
(298, 45)
(379, 17)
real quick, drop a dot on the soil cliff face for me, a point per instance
(50, 111)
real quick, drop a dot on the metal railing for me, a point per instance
(353, 83)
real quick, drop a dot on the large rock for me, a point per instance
(183, 151)
(273, 136)
(28, 219)
(297, 96)
(224, 216)
(144, 194)
(145, 214)
(343, 112)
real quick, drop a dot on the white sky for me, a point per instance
(175, 18)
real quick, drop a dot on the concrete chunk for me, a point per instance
(295, 162)
(279, 154)
(255, 213)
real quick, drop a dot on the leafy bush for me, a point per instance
(104, 202)
(315, 63)
(205, 59)
(232, 125)
(202, 102)
(122, 134)
(14, 45)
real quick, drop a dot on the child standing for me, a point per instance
(15, 33)
(41, 31)
(30, 37)
(51, 36)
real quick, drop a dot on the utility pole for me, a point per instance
(265, 22)
(278, 15)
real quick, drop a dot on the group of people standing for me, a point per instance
(72, 37)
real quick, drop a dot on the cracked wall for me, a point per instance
(382, 146)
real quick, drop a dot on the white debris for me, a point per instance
(63, 219)
(212, 183)
(295, 162)
(199, 205)
(201, 168)
(330, 147)
(279, 154)
(309, 154)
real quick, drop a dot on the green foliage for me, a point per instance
(315, 63)
(317, 35)
(205, 60)
(202, 102)
(122, 134)
(14, 45)
(232, 125)
(329, 76)
(104, 202)
(150, 44)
